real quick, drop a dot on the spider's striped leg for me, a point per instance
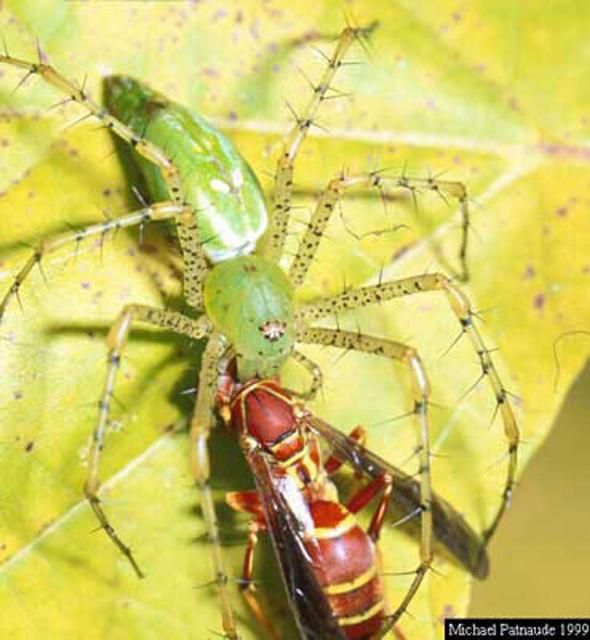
(334, 192)
(461, 307)
(314, 371)
(194, 262)
(152, 213)
(421, 391)
(200, 427)
(283, 185)
(77, 94)
(116, 340)
(194, 257)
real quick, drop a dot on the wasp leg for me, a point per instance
(248, 502)
(380, 485)
(333, 463)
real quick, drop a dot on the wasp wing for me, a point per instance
(450, 527)
(287, 519)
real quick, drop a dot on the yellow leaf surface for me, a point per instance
(470, 92)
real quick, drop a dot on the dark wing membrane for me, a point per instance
(450, 527)
(309, 604)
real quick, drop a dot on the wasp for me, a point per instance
(329, 563)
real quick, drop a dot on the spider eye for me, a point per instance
(272, 330)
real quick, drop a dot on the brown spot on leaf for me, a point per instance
(539, 301)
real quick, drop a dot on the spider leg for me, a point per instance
(194, 262)
(461, 307)
(421, 391)
(159, 211)
(283, 185)
(314, 371)
(335, 191)
(193, 255)
(200, 428)
(77, 94)
(116, 341)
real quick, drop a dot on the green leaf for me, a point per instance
(478, 93)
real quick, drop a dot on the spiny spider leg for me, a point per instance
(77, 94)
(116, 341)
(279, 220)
(335, 191)
(194, 258)
(195, 268)
(194, 262)
(314, 371)
(199, 432)
(461, 307)
(421, 391)
(159, 211)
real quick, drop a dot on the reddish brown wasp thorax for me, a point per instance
(264, 410)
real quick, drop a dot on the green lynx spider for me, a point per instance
(244, 299)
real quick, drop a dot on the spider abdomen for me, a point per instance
(217, 182)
